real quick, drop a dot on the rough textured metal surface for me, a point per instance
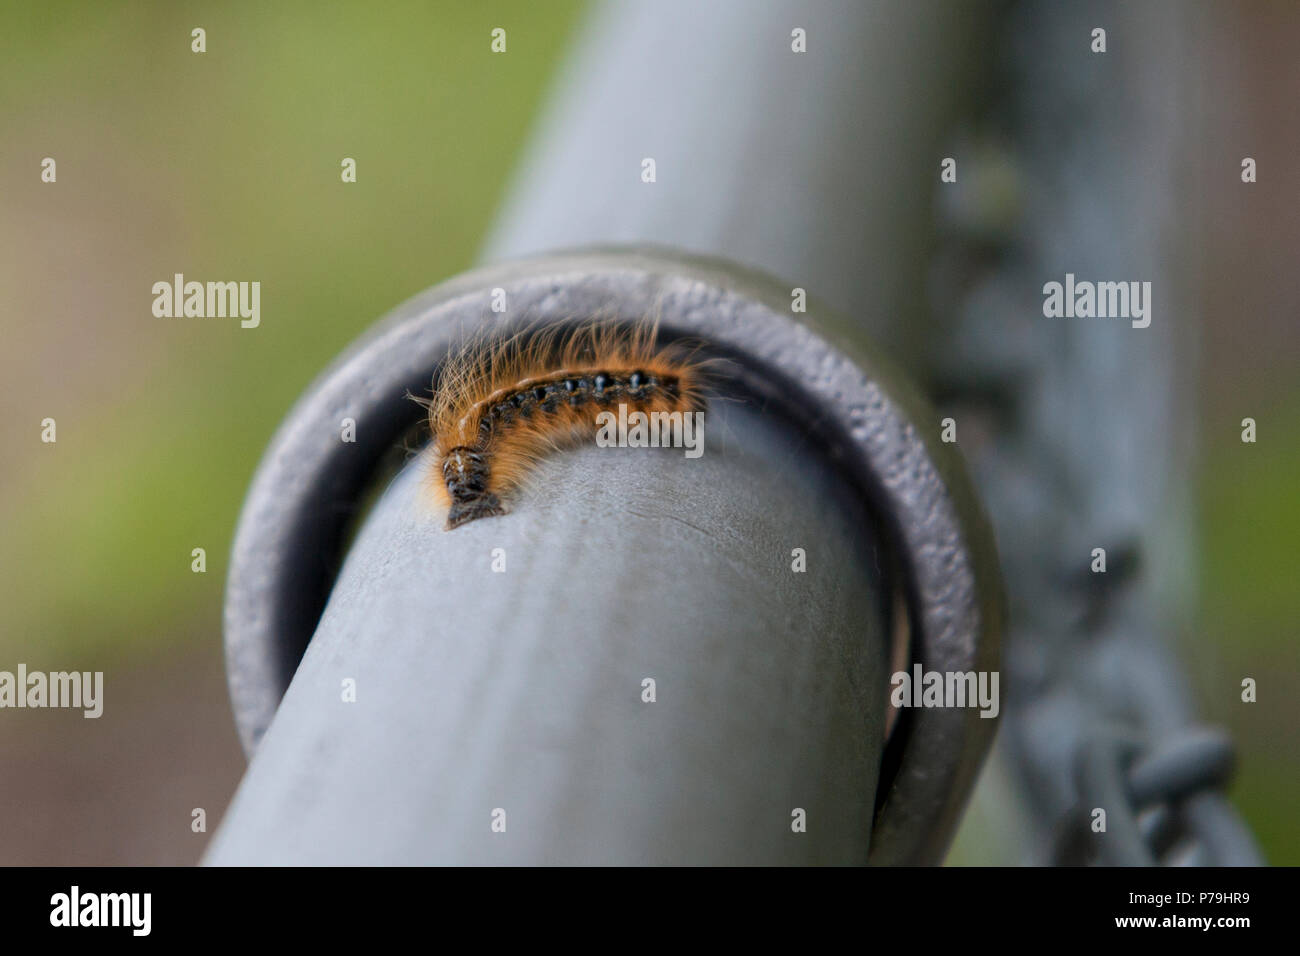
(519, 686)
(865, 420)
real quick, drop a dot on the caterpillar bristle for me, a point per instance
(498, 406)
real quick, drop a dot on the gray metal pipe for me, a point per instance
(485, 705)
(816, 167)
(522, 689)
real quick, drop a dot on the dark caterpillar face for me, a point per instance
(465, 471)
(482, 506)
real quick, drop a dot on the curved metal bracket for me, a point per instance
(868, 420)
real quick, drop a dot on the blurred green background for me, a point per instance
(225, 166)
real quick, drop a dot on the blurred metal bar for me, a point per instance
(1081, 166)
(818, 168)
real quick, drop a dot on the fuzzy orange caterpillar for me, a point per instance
(498, 408)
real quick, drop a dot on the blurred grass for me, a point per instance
(223, 166)
(1250, 599)
(1250, 498)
